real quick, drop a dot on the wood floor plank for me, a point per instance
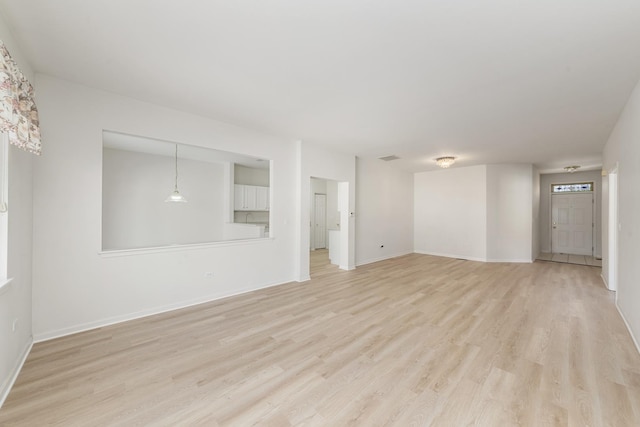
(415, 340)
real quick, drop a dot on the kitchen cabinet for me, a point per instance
(238, 197)
(262, 198)
(250, 198)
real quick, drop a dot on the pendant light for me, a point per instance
(176, 196)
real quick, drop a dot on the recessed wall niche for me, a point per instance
(138, 175)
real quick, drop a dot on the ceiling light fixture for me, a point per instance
(445, 162)
(389, 158)
(572, 169)
(176, 196)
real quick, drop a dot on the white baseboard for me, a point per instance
(606, 284)
(49, 335)
(382, 258)
(512, 260)
(624, 319)
(468, 258)
(8, 384)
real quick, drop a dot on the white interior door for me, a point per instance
(320, 221)
(572, 223)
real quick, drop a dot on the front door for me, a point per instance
(572, 223)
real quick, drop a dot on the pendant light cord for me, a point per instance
(176, 183)
(175, 196)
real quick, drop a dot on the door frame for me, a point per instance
(593, 214)
(346, 209)
(612, 279)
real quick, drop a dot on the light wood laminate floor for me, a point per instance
(413, 341)
(571, 259)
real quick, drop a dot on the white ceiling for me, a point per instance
(538, 81)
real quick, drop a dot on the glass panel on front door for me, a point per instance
(572, 188)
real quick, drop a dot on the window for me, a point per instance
(572, 188)
(4, 162)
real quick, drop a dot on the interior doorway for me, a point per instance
(572, 223)
(324, 225)
(319, 222)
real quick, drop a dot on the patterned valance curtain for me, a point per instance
(18, 112)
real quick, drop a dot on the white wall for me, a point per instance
(546, 180)
(333, 213)
(450, 213)
(251, 217)
(15, 298)
(509, 213)
(134, 213)
(251, 176)
(623, 149)
(481, 213)
(75, 288)
(315, 161)
(384, 201)
(535, 214)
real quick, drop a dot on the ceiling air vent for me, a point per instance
(389, 158)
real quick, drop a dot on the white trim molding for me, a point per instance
(624, 319)
(8, 384)
(49, 335)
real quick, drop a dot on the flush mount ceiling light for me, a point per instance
(445, 162)
(572, 169)
(176, 196)
(389, 158)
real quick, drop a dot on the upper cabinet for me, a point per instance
(262, 198)
(238, 197)
(251, 198)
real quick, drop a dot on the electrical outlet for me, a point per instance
(208, 274)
